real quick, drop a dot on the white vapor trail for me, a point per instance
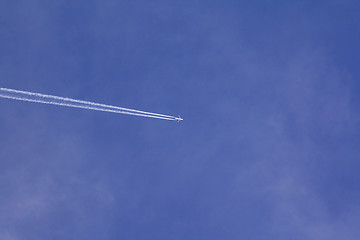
(69, 102)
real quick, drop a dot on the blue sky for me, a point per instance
(269, 145)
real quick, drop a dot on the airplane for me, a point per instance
(179, 118)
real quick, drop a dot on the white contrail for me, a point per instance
(69, 102)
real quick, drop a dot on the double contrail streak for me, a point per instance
(69, 102)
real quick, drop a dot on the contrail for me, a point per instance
(69, 102)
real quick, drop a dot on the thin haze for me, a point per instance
(269, 149)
